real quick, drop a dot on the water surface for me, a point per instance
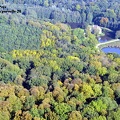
(111, 50)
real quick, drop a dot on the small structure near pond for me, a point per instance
(95, 29)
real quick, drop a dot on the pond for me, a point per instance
(107, 37)
(111, 50)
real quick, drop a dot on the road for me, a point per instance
(107, 29)
(114, 40)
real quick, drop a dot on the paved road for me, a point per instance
(104, 28)
(114, 40)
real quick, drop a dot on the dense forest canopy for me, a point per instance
(50, 71)
(104, 13)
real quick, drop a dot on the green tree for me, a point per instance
(34, 111)
(29, 102)
(114, 115)
(15, 103)
(4, 115)
(78, 7)
(99, 106)
(62, 109)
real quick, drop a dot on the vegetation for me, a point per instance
(53, 72)
(83, 12)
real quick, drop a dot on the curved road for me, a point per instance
(114, 40)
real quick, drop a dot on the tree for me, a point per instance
(104, 21)
(89, 112)
(4, 115)
(34, 112)
(111, 104)
(78, 7)
(62, 109)
(52, 116)
(46, 3)
(15, 103)
(76, 115)
(114, 115)
(99, 106)
(117, 34)
(29, 102)
(99, 118)
(26, 116)
(87, 90)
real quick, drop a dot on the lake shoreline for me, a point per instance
(108, 43)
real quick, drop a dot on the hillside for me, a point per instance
(50, 71)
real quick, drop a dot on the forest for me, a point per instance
(51, 71)
(82, 12)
